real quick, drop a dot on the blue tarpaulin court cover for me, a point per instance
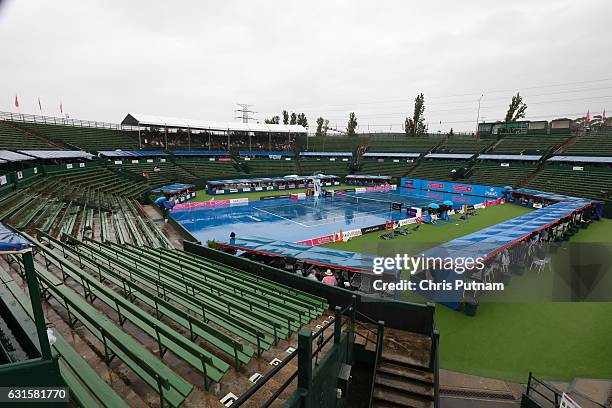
(11, 242)
(325, 257)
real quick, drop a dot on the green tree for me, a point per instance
(517, 108)
(293, 120)
(351, 126)
(274, 120)
(302, 120)
(285, 117)
(320, 122)
(325, 127)
(415, 126)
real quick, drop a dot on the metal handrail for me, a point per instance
(53, 120)
(379, 339)
(263, 380)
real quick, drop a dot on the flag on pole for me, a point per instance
(61, 108)
(16, 101)
(39, 104)
(603, 116)
(587, 120)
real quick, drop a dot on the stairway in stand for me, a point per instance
(404, 377)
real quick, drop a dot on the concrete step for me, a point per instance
(384, 397)
(406, 372)
(405, 386)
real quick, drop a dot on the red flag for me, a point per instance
(39, 104)
(16, 102)
(587, 120)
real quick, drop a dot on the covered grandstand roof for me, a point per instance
(581, 159)
(200, 153)
(386, 154)
(449, 156)
(328, 258)
(132, 153)
(523, 157)
(348, 154)
(257, 153)
(138, 119)
(365, 176)
(8, 156)
(268, 179)
(57, 154)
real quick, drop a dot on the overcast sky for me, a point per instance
(197, 59)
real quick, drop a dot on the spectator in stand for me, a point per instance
(329, 278)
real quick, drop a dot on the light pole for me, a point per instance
(478, 114)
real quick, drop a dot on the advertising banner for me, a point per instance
(455, 188)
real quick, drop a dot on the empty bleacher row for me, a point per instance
(52, 207)
(385, 167)
(87, 388)
(465, 145)
(206, 169)
(14, 139)
(203, 316)
(85, 138)
(433, 169)
(101, 179)
(526, 144)
(157, 173)
(599, 144)
(592, 182)
(270, 167)
(494, 174)
(324, 165)
(405, 144)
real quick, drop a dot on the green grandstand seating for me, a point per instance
(392, 167)
(258, 311)
(167, 338)
(592, 182)
(270, 167)
(102, 179)
(594, 144)
(86, 138)
(206, 169)
(86, 386)
(13, 139)
(172, 388)
(434, 169)
(331, 143)
(408, 144)
(457, 144)
(168, 172)
(526, 144)
(491, 173)
(324, 165)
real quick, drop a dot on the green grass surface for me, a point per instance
(507, 339)
(429, 236)
(203, 196)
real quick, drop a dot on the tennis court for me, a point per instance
(296, 220)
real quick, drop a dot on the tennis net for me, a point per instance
(367, 202)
